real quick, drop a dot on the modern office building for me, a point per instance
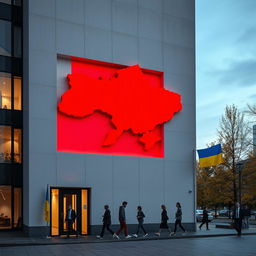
(88, 89)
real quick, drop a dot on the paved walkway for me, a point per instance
(18, 238)
(211, 246)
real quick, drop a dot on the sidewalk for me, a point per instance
(18, 238)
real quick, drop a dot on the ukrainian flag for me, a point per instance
(210, 156)
(47, 206)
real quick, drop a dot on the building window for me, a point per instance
(5, 144)
(5, 207)
(9, 142)
(17, 208)
(17, 145)
(17, 93)
(6, 1)
(17, 41)
(5, 38)
(5, 91)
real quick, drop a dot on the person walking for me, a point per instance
(106, 222)
(122, 220)
(205, 219)
(70, 219)
(238, 218)
(140, 218)
(178, 218)
(247, 215)
(164, 219)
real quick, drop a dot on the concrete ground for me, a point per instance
(210, 246)
(18, 239)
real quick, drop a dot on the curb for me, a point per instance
(117, 241)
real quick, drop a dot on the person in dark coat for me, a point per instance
(122, 220)
(178, 218)
(238, 218)
(106, 222)
(247, 215)
(205, 219)
(140, 218)
(70, 219)
(164, 219)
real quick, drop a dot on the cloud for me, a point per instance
(239, 73)
(248, 36)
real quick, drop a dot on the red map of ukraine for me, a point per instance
(127, 98)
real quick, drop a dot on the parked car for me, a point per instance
(223, 213)
(199, 216)
(212, 211)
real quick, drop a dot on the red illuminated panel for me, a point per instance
(114, 110)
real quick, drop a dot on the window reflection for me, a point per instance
(17, 93)
(5, 38)
(6, 1)
(5, 91)
(5, 207)
(5, 144)
(17, 42)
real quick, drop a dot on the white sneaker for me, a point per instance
(145, 235)
(172, 234)
(135, 235)
(128, 236)
(116, 236)
(157, 234)
(99, 237)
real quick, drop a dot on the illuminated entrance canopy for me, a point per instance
(132, 100)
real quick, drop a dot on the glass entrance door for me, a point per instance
(69, 199)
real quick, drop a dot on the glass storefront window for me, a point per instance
(17, 145)
(5, 91)
(17, 221)
(17, 93)
(5, 144)
(5, 38)
(5, 207)
(17, 42)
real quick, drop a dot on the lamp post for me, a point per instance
(239, 166)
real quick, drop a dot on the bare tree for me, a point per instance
(233, 134)
(251, 110)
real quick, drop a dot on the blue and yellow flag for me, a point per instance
(47, 206)
(210, 156)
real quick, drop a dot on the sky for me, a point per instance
(225, 61)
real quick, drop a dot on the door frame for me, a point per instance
(88, 207)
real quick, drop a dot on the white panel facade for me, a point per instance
(157, 35)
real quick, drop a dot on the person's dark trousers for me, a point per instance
(238, 226)
(140, 226)
(107, 226)
(123, 226)
(204, 222)
(70, 224)
(178, 222)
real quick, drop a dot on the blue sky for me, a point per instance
(226, 61)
